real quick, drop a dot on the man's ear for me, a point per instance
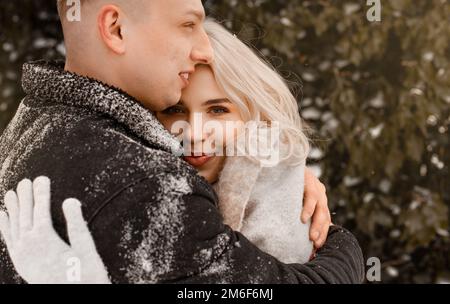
(110, 23)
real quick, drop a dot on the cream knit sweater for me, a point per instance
(264, 204)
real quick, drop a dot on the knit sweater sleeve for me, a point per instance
(234, 188)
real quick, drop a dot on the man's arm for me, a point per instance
(164, 229)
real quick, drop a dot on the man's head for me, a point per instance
(145, 47)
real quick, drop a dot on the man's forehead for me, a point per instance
(184, 7)
(198, 13)
(194, 7)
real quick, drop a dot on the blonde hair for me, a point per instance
(258, 90)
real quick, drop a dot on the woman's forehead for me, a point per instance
(202, 86)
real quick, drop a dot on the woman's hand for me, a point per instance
(315, 205)
(36, 250)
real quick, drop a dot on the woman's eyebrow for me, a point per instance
(216, 101)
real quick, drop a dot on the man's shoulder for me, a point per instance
(70, 132)
(108, 142)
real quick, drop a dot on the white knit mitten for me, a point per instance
(39, 255)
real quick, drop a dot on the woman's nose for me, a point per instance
(197, 126)
(195, 134)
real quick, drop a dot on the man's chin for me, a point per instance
(164, 104)
(170, 101)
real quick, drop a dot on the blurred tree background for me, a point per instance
(377, 95)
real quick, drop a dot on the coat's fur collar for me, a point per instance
(48, 80)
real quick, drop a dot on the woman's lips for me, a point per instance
(197, 161)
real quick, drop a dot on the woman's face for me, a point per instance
(208, 116)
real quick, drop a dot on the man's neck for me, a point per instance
(85, 69)
(78, 69)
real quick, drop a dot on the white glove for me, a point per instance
(39, 255)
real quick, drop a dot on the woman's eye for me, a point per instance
(173, 110)
(219, 110)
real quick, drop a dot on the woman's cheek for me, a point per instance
(175, 125)
(228, 136)
(165, 120)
